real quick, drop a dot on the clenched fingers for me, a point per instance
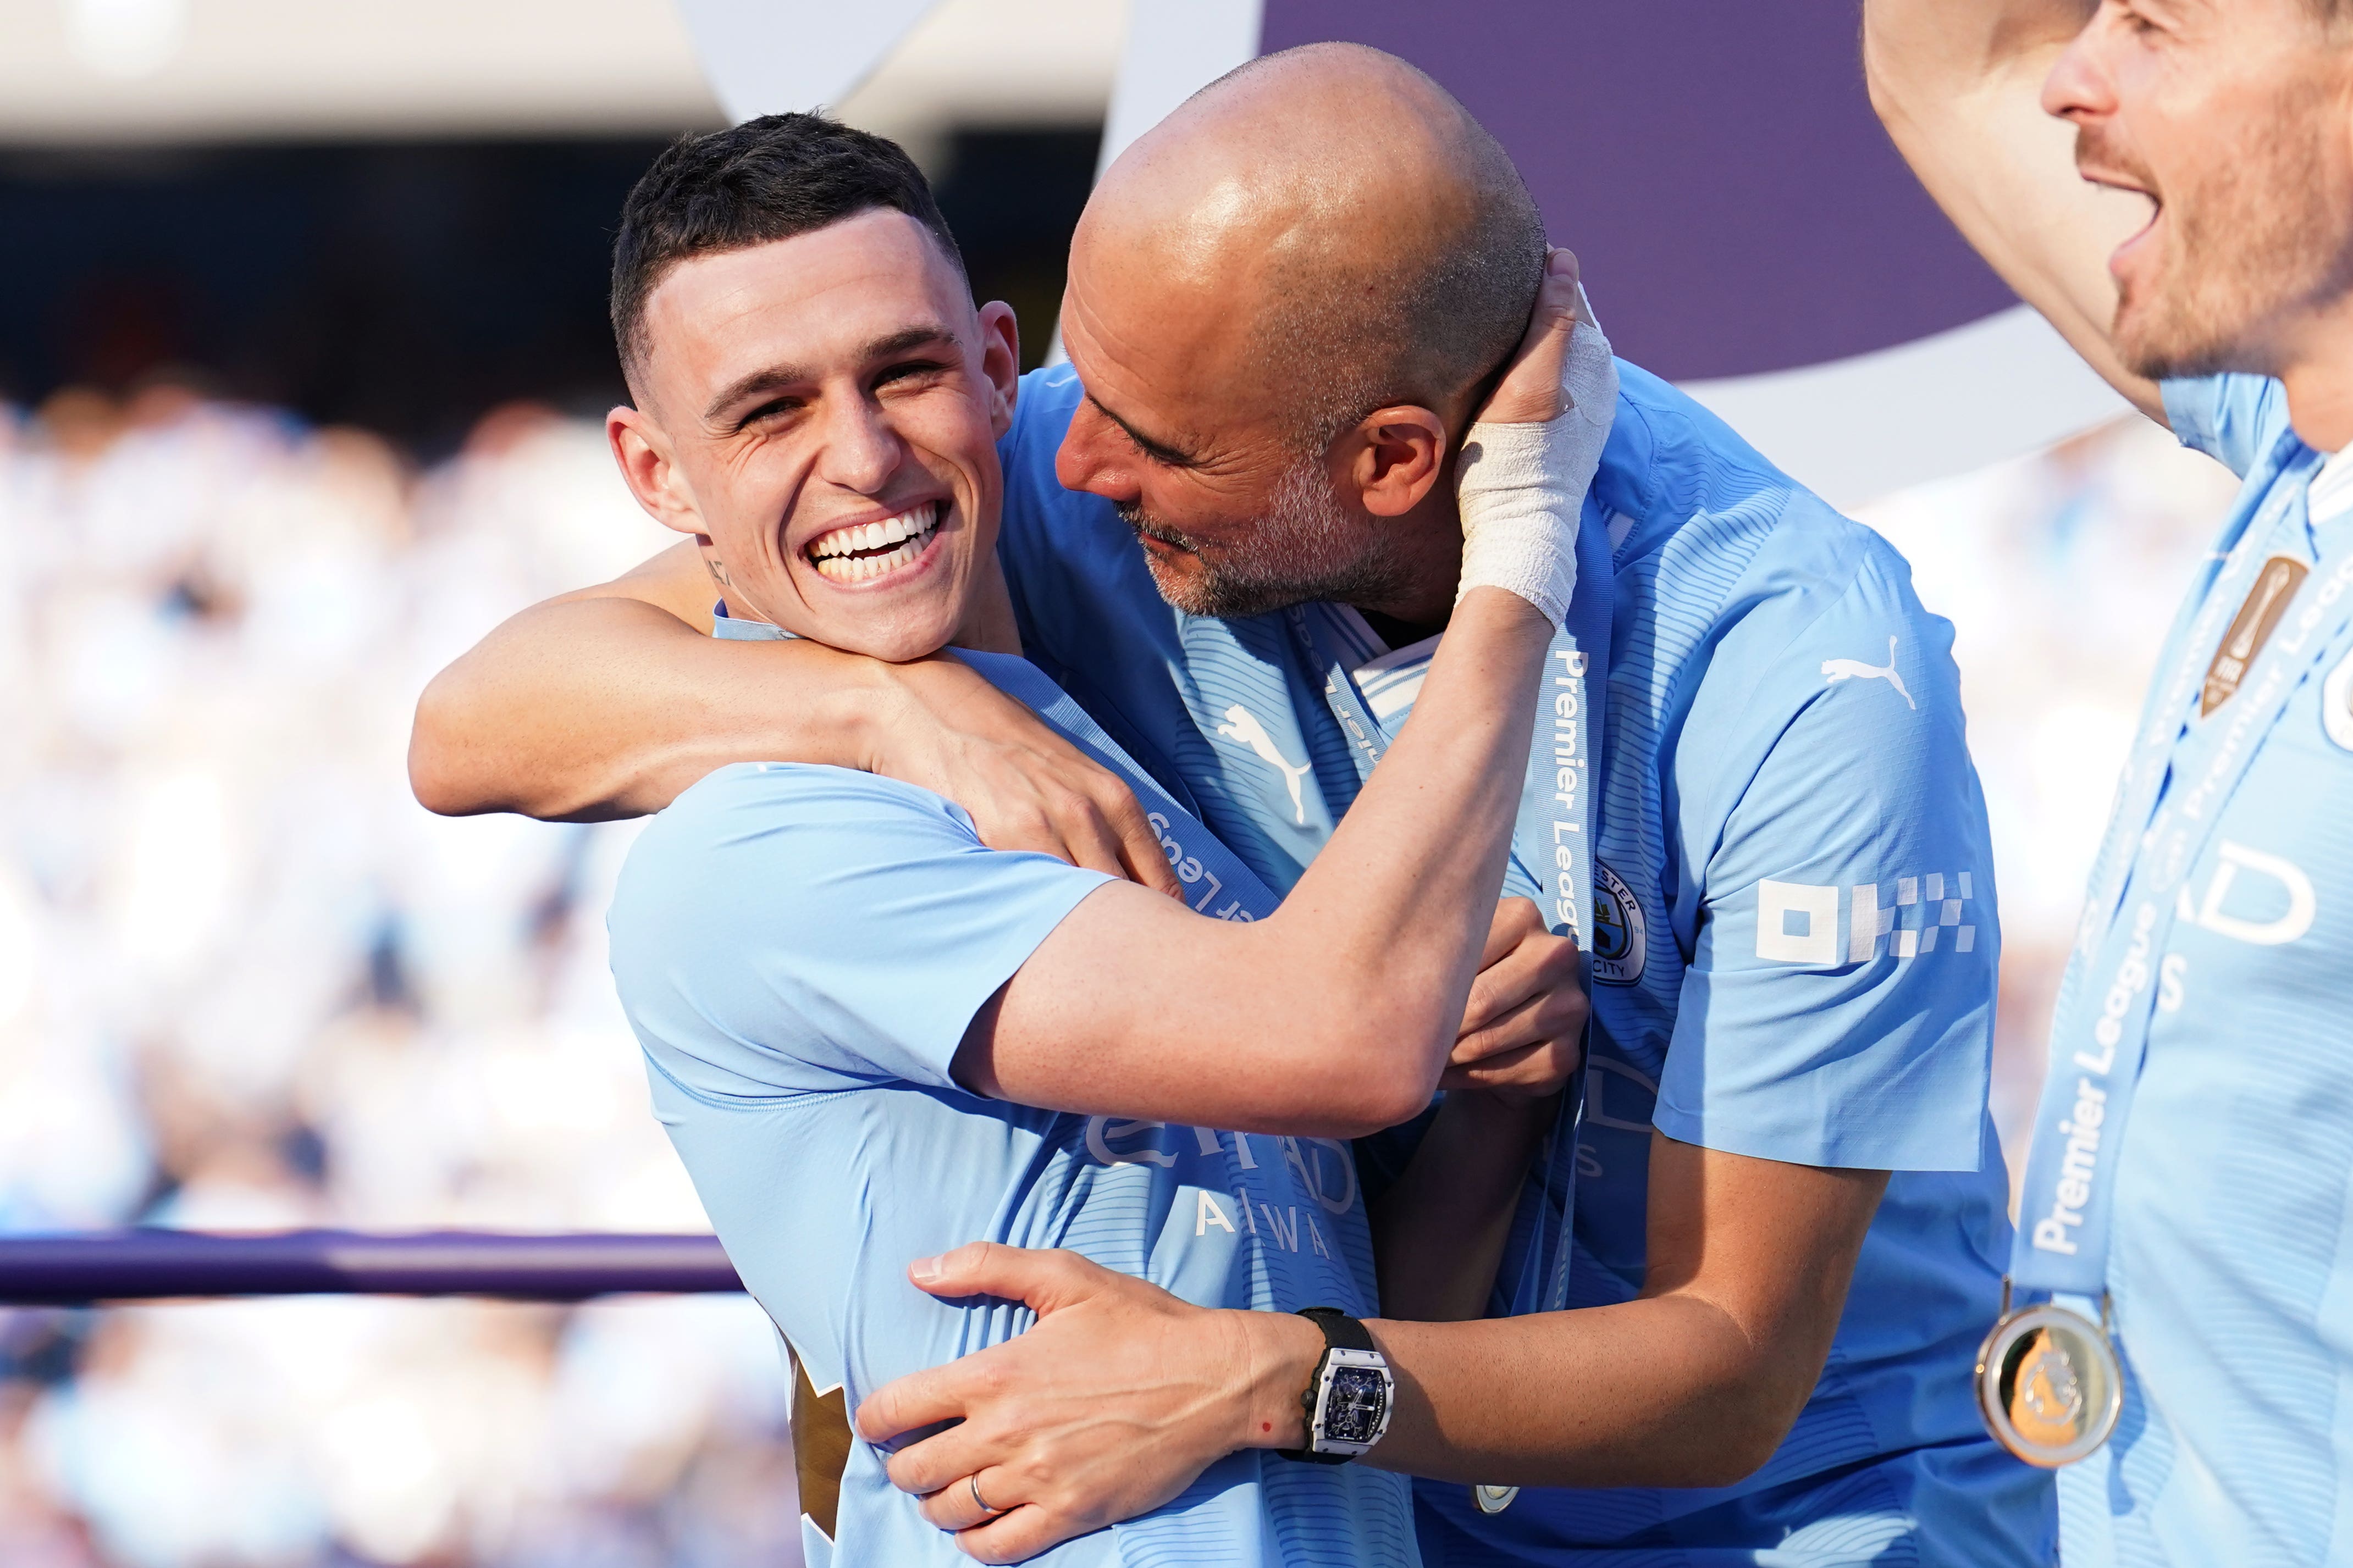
(1523, 960)
(1527, 1072)
(1557, 1012)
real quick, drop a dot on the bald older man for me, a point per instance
(1751, 796)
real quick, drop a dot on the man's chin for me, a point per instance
(1189, 586)
(2165, 350)
(892, 641)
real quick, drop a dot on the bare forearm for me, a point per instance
(1946, 46)
(1334, 1015)
(1399, 897)
(596, 708)
(1439, 1232)
(1662, 1392)
(1958, 87)
(1694, 1383)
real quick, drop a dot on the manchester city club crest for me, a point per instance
(1618, 932)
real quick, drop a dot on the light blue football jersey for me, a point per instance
(1794, 951)
(2229, 1263)
(801, 950)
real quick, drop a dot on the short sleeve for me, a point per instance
(790, 929)
(1837, 1009)
(2233, 420)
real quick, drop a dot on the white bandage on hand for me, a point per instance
(1521, 488)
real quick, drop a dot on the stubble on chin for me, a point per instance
(2244, 253)
(1304, 547)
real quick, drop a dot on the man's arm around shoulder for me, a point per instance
(608, 702)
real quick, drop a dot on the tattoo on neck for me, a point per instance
(718, 570)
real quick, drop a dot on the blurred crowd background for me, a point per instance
(292, 409)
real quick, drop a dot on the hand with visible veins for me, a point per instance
(1024, 785)
(1107, 1408)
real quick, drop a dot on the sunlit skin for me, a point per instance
(1161, 431)
(838, 377)
(2236, 121)
(1164, 319)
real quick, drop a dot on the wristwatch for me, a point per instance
(1348, 1398)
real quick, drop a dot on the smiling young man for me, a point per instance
(2192, 1183)
(872, 1037)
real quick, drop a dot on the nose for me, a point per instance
(2079, 87)
(1090, 459)
(861, 450)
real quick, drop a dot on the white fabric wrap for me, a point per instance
(1520, 488)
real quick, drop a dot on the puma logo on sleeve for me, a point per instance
(1839, 669)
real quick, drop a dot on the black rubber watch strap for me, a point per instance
(1340, 1330)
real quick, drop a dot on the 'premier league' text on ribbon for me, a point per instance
(1568, 765)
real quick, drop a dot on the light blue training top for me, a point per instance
(2230, 1265)
(1795, 945)
(801, 950)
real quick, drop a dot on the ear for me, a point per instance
(647, 465)
(1000, 362)
(1393, 458)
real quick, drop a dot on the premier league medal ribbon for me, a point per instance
(1553, 843)
(1552, 848)
(2050, 1380)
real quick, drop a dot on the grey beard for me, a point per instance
(1304, 548)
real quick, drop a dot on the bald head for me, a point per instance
(1333, 229)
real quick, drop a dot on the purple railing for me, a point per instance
(153, 1264)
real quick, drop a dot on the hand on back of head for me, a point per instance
(1534, 449)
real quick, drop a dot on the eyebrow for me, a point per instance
(770, 378)
(1158, 450)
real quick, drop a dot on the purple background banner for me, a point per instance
(1715, 164)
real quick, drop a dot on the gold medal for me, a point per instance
(2050, 1384)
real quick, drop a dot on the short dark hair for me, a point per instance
(766, 179)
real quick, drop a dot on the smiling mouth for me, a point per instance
(2117, 183)
(867, 550)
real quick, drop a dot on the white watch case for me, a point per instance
(1354, 1394)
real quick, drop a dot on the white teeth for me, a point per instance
(838, 555)
(860, 536)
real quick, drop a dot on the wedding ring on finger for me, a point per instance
(979, 1501)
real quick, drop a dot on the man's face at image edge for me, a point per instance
(830, 413)
(2234, 121)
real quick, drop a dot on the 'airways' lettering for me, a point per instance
(1208, 1212)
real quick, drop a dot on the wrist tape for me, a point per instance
(1521, 488)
